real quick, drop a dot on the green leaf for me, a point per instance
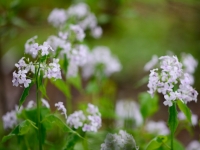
(65, 63)
(21, 129)
(156, 142)
(184, 108)
(13, 133)
(92, 87)
(173, 120)
(71, 141)
(24, 95)
(54, 119)
(62, 86)
(76, 82)
(148, 105)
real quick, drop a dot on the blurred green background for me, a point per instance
(133, 29)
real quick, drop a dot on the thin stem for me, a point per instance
(38, 109)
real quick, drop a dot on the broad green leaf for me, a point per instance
(76, 82)
(62, 86)
(148, 105)
(24, 127)
(184, 108)
(13, 133)
(71, 141)
(24, 95)
(156, 142)
(178, 145)
(92, 87)
(173, 120)
(21, 129)
(54, 119)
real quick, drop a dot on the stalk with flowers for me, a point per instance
(175, 84)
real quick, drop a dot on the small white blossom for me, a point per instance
(101, 56)
(96, 32)
(189, 63)
(151, 63)
(76, 119)
(79, 32)
(30, 104)
(158, 128)
(120, 141)
(45, 48)
(194, 145)
(62, 108)
(45, 103)
(79, 10)
(57, 17)
(126, 109)
(194, 118)
(53, 70)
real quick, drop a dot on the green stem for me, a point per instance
(38, 109)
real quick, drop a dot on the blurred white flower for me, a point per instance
(194, 118)
(149, 65)
(79, 10)
(126, 109)
(62, 108)
(96, 32)
(76, 119)
(158, 128)
(45, 103)
(194, 145)
(120, 141)
(189, 63)
(57, 17)
(79, 32)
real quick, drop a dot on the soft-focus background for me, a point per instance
(133, 29)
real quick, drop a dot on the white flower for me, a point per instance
(9, 119)
(96, 32)
(189, 63)
(79, 32)
(45, 48)
(194, 118)
(30, 104)
(120, 141)
(100, 59)
(63, 35)
(171, 75)
(151, 63)
(126, 109)
(20, 77)
(76, 119)
(62, 108)
(79, 10)
(158, 128)
(57, 17)
(53, 70)
(194, 145)
(45, 103)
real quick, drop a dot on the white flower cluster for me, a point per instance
(169, 77)
(126, 109)
(101, 57)
(78, 14)
(10, 118)
(33, 48)
(20, 77)
(121, 141)
(194, 118)
(90, 121)
(51, 70)
(194, 145)
(158, 128)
